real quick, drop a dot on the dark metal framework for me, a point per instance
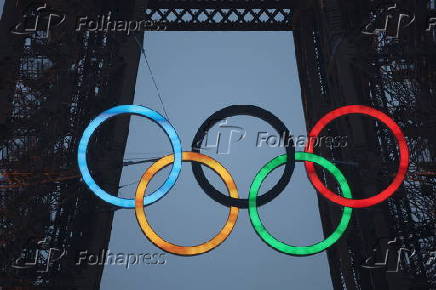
(339, 65)
(225, 15)
(405, 89)
(51, 86)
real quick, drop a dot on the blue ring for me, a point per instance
(137, 110)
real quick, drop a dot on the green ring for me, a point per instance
(262, 231)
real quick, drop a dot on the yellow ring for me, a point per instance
(155, 238)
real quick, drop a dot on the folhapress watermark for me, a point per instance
(265, 139)
(105, 257)
(39, 17)
(393, 255)
(224, 138)
(392, 20)
(43, 257)
(105, 23)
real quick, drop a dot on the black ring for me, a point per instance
(253, 111)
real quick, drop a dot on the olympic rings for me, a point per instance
(136, 110)
(232, 201)
(252, 111)
(403, 164)
(185, 250)
(263, 232)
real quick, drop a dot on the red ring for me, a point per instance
(402, 169)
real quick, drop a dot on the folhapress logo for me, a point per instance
(225, 137)
(392, 21)
(38, 17)
(395, 253)
(43, 258)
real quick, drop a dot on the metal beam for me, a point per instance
(225, 15)
(234, 19)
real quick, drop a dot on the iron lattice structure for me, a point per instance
(405, 89)
(224, 15)
(53, 82)
(340, 65)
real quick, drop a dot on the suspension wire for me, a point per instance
(141, 47)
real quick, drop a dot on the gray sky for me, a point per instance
(199, 73)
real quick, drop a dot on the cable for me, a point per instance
(152, 76)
